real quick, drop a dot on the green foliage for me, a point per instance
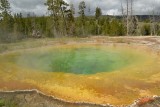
(82, 17)
(4, 8)
(98, 12)
(62, 22)
(114, 27)
(2, 103)
(146, 29)
(6, 20)
(7, 103)
(58, 10)
(82, 7)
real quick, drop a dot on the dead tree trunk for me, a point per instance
(127, 17)
(123, 14)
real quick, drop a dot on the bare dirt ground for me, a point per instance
(34, 98)
(151, 41)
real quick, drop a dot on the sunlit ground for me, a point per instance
(89, 73)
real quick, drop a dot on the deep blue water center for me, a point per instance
(84, 60)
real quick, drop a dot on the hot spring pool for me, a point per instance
(91, 73)
(78, 60)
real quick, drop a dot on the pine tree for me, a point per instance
(82, 7)
(57, 10)
(4, 8)
(5, 12)
(98, 13)
(106, 26)
(6, 22)
(70, 20)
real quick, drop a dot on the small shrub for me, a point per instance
(3, 48)
(2, 103)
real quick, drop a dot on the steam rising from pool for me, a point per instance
(79, 60)
(86, 73)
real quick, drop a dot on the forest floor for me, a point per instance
(34, 98)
